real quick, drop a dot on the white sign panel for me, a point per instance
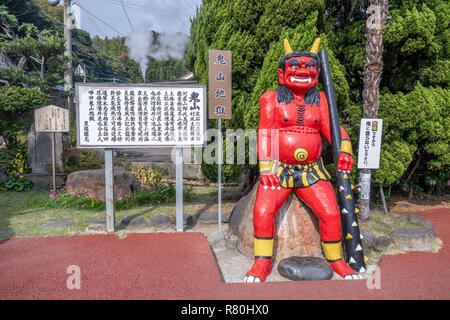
(370, 143)
(51, 119)
(140, 115)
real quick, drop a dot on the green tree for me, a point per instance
(416, 68)
(14, 103)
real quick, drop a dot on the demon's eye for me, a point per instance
(295, 67)
(309, 67)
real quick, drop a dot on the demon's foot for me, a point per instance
(260, 270)
(344, 270)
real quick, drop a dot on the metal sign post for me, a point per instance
(219, 175)
(179, 189)
(109, 189)
(220, 90)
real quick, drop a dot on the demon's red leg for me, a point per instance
(321, 198)
(268, 202)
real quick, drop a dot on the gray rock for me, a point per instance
(3, 176)
(96, 228)
(231, 243)
(61, 223)
(424, 224)
(305, 268)
(238, 212)
(226, 217)
(405, 205)
(187, 219)
(91, 184)
(429, 228)
(160, 220)
(40, 150)
(133, 221)
(381, 243)
(411, 239)
(411, 217)
(207, 217)
(372, 206)
(97, 221)
(367, 240)
(6, 233)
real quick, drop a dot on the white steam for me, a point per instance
(141, 46)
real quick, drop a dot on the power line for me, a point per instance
(87, 11)
(134, 6)
(96, 25)
(127, 15)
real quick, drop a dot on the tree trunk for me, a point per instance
(42, 67)
(373, 65)
(414, 168)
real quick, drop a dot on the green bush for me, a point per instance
(163, 193)
(75, 159)
(147, 176)
(16, 181)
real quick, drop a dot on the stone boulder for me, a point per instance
(305, 268)
(91, 184)
(296, 228)
(411, 239)
(3, 176)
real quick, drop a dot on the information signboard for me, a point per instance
(111, 115)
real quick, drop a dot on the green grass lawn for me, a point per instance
(17, 214)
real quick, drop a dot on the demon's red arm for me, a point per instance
(267, 131)
(345, 160)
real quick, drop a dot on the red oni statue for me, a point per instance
(292, 120)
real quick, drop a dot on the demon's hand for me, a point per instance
(345, 162)
(270, 180)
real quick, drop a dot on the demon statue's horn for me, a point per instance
(287, 47)
(314, 48)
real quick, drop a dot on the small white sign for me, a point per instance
(51, 119)
(370, 143)
(79, 71)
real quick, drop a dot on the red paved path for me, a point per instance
(182, 266)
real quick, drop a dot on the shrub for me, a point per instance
(16, 181)
(147, 176)
(75, 159)
(162, 193)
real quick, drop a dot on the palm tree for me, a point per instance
(373, 65)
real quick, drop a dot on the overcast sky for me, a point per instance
(162, 15)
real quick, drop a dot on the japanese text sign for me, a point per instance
(51, 119)
(140, 115)
(370, 143)
(219, 84)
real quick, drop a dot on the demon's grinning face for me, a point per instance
(300, 74)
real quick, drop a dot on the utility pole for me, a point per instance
(68, 78)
